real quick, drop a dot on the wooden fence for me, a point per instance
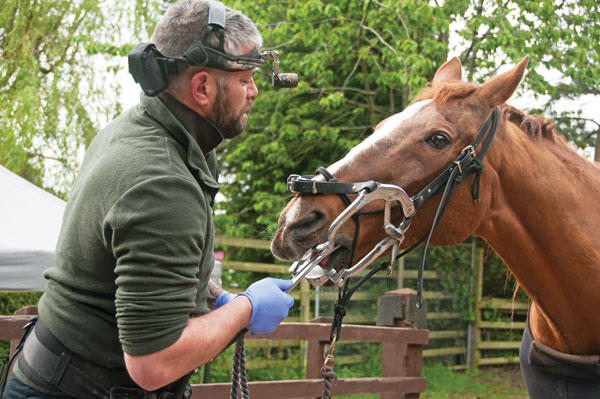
(471, 345)
(482, 348)
(399, 275)
(400, 363)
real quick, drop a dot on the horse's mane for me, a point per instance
(535, 126)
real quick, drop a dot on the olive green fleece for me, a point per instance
(135, 251)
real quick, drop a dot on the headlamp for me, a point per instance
(150, 68)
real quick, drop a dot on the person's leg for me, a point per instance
(16, 389)
(540, 385)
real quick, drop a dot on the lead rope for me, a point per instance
(239, 378)
(340, 308)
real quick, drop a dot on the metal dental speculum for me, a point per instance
(308, 267)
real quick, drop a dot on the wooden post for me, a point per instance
(400, 283)
(304, 317)
(314, 353)
(305, 301)
(474, 328)
(393, 363)
(400, 359)
(29, 311)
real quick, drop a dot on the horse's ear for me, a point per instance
(499, 89)
(451, 70)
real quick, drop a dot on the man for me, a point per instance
(124, 309)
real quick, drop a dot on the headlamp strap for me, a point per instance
(216, 23)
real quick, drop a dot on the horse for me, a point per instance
(537, 208)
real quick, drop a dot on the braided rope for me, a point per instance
(243, 375)
(328, 375)
(239, 379)
(235, 373)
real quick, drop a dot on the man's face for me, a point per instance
(235, 91)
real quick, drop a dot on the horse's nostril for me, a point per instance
(308, 224)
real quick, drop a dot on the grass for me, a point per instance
(443, 383)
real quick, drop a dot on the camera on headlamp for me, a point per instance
(280, 79)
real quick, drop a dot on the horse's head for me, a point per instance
(408, 150)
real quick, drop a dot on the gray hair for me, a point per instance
(184, 24)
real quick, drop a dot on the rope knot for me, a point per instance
(329, 374)
(458, 179)
(477, 166)
(340, 309)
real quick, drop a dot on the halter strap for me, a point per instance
(305, 184)
(467, 162)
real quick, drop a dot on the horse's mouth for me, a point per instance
(338, 260)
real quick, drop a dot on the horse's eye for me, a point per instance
(438, 141)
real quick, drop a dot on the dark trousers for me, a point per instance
(16, 389)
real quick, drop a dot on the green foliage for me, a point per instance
(498, 282)
(10, 302)
(561, 39)
(53, 95)
(455, 264)
(358, 62)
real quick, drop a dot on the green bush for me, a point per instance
(10, 302)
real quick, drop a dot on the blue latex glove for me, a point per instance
(223, 299)
(270, 304)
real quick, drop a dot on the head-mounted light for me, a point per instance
(150, 68)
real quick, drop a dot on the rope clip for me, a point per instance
(329, 361)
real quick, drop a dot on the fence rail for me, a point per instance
(474, 343)
(400, 364)
(477, 345)
(470, 345)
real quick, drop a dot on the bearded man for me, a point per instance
(125, 309)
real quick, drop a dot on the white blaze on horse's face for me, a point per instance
(382, 132)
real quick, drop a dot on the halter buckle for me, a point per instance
(290, 181)
(468, 149)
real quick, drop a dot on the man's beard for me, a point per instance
(230, 125)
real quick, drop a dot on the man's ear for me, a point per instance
(199, 88)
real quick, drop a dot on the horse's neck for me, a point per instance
(544, 224)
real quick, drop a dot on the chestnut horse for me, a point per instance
(538, 207)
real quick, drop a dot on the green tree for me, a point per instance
(361, 61)
(562, 39)
(53, 97)
(358, 62)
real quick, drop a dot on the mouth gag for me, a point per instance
(308, 267)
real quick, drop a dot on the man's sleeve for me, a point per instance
(157, 232)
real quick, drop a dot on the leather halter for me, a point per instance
(466, 163)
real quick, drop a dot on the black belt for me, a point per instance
(48, 363)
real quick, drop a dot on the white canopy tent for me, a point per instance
(30, 220)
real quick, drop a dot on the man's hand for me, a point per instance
(270, 304)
